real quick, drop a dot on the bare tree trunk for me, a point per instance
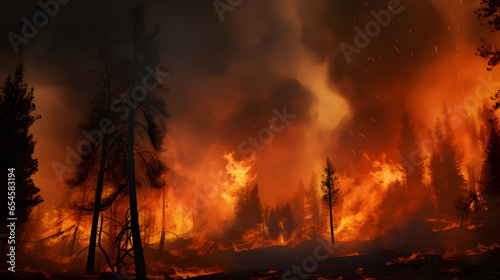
(162, 238)
(100, 180)
(140, 266)
(331, 213)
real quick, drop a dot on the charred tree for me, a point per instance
(100, 179)
(140, 265)
(105, 160)
(140, 113)
(151, 111)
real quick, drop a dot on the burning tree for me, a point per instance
(17, 147)
(331, 193)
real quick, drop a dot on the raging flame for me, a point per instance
(361, 201)
(201, 212)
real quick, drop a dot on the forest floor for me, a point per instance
(413, 251)
(376, 266)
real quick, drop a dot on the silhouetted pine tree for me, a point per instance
(331, 193)
(16, 148)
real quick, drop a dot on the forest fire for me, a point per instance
(252, 140)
